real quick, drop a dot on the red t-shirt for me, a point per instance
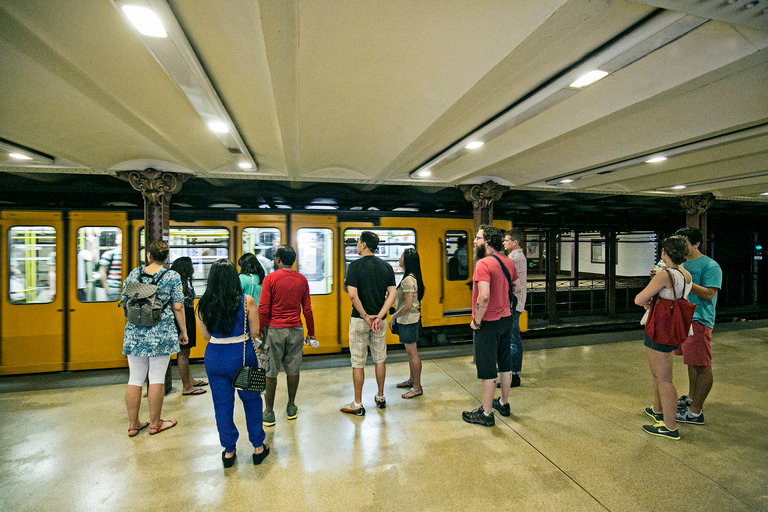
(284, 293)
(489, 271)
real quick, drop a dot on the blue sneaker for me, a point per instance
(657, 416)
(661, 430)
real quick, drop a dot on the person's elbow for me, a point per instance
(640, 301)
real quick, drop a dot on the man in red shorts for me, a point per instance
(696, 349)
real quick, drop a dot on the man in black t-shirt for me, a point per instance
(371, 286)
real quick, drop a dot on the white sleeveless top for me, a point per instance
(681, 289)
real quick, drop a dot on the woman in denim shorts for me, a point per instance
(407, 318)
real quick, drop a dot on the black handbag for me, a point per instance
(250, 378)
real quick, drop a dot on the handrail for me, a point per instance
(442, 270)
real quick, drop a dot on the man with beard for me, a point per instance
(492, 322)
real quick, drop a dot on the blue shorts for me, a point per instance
(658, 347)
(408, 333)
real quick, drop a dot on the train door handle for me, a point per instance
(60, 310)
(71, 309)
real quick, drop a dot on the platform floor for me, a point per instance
(574, 442)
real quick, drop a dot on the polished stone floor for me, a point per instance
(574, 442)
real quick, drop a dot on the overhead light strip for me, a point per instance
(176, 56)
(23, 155)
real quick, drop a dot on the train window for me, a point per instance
(263, 242)
(99, 264)
(456, 255)
(203, 245)
(392, 243)
(315, 258)
(32, 264)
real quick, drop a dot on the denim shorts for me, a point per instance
(408, 333)
(658, 347)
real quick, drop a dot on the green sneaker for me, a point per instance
(292, 411)
(269, 419)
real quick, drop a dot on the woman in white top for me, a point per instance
(673, 251)
(407, 316)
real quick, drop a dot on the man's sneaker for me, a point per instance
(661, 430)
(503, 409)
(381, 402)
(269, 419)
(292, 411)
(478, 416)
(684, 401)
(657, 416)
(514, 384)
(687, 416)
(353, 408)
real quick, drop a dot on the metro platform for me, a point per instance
(574, 440)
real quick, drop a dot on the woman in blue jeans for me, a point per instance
(221, 317)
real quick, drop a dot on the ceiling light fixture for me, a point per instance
(655, 159)
(145, 21)
(764, 194)
(588, 79)
(19, 156)
(426, 173)
(678, 187)
(566, 181)
(218, 127)
(474, 144)
(245, 165)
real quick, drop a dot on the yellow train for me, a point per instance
(60, 268)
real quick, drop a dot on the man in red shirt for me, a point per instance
(492, 323)
(284, 294)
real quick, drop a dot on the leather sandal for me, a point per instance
(405, 384)
(133, 431)
(160, 427)
(413, 393)
(258, 458)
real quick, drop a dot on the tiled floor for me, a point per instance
(574, 442)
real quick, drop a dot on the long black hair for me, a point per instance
(412, 265)
(219, 305)
(185, 269)
(249, 265)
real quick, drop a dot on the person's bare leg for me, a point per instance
(155, 396)
(269, 395)
(703, 387)
(358, 377)
(293, 385)
(182, 361)
(414, 363)
(661, 367)
(381, 374)
(133, 404)
(489, 388)
(506, 380)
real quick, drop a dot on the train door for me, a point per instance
(97, 268)
(313, 237)
(31, 285)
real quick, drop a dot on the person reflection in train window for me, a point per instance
(407, 317)
(52, 275)
(84, 258)
(111, 269)
(370, 282)
(229, 319)
(251, 275)
(186, 270)
(673, 251)
(17, 291)
(149, 349)
(265, 263)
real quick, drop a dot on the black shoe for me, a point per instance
(259, 457)
(381, 402)
(228, 461)
(515, 382)
(478, 416)
(657, 416)
(661, 430)
(503, 409)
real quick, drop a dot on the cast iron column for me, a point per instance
(696, 214)
(610, 272)
(550, 274)
(482, 197)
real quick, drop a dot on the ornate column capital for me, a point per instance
(155, 186)
(483, 196)
(697, 205)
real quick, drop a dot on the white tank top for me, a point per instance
(681, 289)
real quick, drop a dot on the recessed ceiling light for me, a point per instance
(764, 194)
(589, 78)
(678, 187)
(218, 127)
(245, 165)
(425, 173)
(224, 205)
(145, 21)
(655, 159)
(19, 156)
(474, 144)
(566, 181)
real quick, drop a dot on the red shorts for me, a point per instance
(697, 350)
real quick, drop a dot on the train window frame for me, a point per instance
(9, 265)
(447, 267)
(265, 261)
(382, 251)
(328, 267)
(92, 291)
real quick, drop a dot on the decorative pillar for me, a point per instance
(696, 212)
(575, 258)
(482, 197)
(610, 272)
(550, 275)
(156, 188)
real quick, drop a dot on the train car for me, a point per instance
(62, 271)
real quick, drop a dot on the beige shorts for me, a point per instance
(286, 348)
(361, 336)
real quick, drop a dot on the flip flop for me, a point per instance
(405, 384)
(132, 432)
(199, 383)
(160, 428)
(412, 393)
(196, 391)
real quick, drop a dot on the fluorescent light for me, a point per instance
(145, 21)
(474, 144)
(589, 78)
(678, 187)
(764, 194)
(655, 159)
(224, 205)
(566, 181)
(245, 165)
(218, 127)
(424, 174)
(19, 156)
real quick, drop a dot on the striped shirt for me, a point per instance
(521, 264)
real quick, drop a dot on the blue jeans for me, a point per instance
(221, 364)
(516, 345)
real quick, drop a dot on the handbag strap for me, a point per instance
(509, 278)
(245, 324)
(674, 291)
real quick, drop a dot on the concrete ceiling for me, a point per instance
(367, 92)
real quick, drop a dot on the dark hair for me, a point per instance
(249, 265)
(514, 236)
(412, 265)
(676, 248)
(370, 239)
(286, 255)
(693, 235)
(158, 250)
(493, 237)
(185, 269)
(219, 305)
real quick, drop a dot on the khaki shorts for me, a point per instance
(361, 336)
(286, 348)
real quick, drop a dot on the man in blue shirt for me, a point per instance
(696, 349)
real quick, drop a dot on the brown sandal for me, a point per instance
(160, 428)
(405, 384)
(133, 431)
(413, 393)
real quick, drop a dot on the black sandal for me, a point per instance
(259, 457)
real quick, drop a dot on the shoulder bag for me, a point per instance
(251, 378)
(669, 321)
(512, 296)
